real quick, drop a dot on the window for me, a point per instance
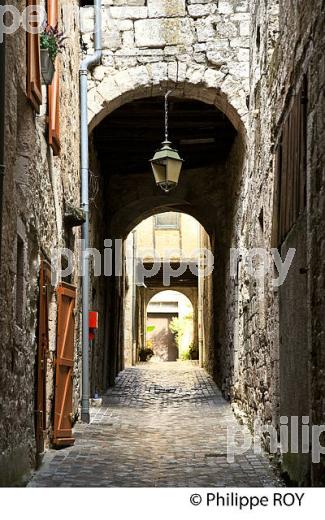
(33, 80)
(20, 263)
(290, 169)
(167, 221)
(163, 307)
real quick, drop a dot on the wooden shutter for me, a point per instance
(276, 192)
(62, 435)
(54, 89)
(290, 169)
(33, 86)
(42, 353)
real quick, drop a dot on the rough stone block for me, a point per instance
(198, 10)
(244, 28)
(219, 57)
(177, 71)
(128, 2)
(226, 29)
(128, 39)
(239, 42)
(225, 7)
(166, 9)
(205, 30)
(240, 17)
(112, 40)
(242, 7)
(128, 12)
(99, 73)
(124, 81)
(219, 43)
(125, 25)
(108, 89)
(158, 71)
(195, 75)
(160, 32)
(213, 78)
(243, 54)
(139, 76)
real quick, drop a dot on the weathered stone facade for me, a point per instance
(146, 44)
(37, 188)
(277, 373)
(247, 60)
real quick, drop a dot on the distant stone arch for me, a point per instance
(189, 292)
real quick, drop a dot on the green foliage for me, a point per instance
(150, 328)
(52, 40)
(178, 327)
(193, 351)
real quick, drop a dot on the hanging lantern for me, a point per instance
(166, 163)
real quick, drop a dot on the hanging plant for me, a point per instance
(52, 43)
(52, 40)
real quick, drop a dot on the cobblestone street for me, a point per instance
(163, 424)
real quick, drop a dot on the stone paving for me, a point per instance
(163, 425)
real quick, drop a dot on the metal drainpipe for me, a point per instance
(88, 62)
(2, 127)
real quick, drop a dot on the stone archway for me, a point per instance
(164, 338)
(201, 84)
(211, 194)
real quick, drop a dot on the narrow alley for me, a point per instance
(162, 240)
(162, 425)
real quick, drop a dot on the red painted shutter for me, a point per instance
(33, 80)
(54, 89)
(62, 435)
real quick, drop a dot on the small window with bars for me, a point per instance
(167, 221)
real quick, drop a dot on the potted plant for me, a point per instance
(51, 41)
(145, 354)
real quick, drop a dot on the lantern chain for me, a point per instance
(166, 114)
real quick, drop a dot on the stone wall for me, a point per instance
(286, 42)
(37, 187)
(150, 43)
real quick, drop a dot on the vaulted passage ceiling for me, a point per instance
(128, 138)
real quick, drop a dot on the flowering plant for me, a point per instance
(52, 40)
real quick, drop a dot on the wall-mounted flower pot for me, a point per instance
(47, 67)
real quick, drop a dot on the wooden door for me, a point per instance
(62, 435)
(42, 353)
